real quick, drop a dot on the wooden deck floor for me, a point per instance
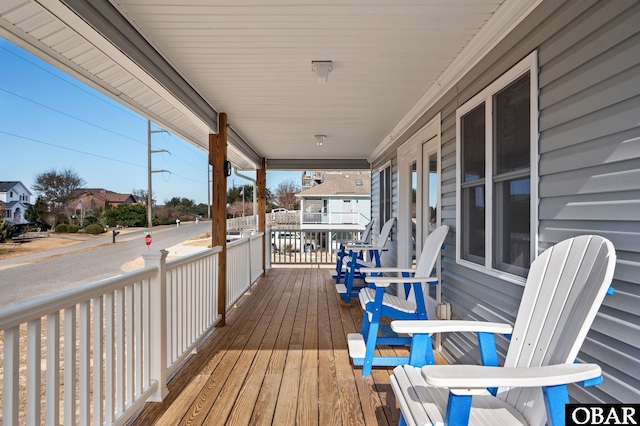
(281, 359)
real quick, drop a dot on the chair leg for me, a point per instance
(458, 410)
(555, 399)
(370, 338)
(339, 262)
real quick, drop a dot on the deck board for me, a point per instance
(281, 358)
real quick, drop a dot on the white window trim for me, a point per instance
(528, 64)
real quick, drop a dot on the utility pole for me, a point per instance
(149, 152)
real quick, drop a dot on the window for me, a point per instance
(385, 195)
(497, 173)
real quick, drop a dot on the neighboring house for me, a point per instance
(16, 198)
(93, 200)
(337, 198)
(537, 142)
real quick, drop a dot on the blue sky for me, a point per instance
(50, 120)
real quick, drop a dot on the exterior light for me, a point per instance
(319, 139)
(322, 68)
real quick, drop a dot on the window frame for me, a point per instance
(486, 96)
(385, 205)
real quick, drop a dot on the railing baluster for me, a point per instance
(98, 349)
(53, 368)
(84, 340)
(139, 360)
(120, 362)
(34, 381)
(11, 378)
(129, 317)
(70, 365)
(109, 361)
(146, 330)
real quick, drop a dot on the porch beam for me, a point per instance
(217, 158)
(318, 164)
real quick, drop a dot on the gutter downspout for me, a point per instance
(255, 196)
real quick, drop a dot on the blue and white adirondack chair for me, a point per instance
(342, 252)
(356, 261)
(564, 290)
(408, 304)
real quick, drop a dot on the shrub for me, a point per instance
(72, 229)
(63, 227)
(94, 228)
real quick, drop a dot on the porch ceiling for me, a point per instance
(179, 63)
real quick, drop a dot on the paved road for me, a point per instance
(28, 277)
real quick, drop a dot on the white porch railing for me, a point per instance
(95, 354)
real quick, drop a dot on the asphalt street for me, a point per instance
(28, 277)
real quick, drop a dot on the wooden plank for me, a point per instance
(307, 413)
(229, 372)
(286, 407)
(329, 404)
(251, 389)
(350, 408)
(265, 407)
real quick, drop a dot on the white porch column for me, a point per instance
(158, 323)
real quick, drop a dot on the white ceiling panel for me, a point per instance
(180, 62)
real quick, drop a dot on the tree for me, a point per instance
(5, 230)
(235, 194)
(57, 189)
(126, 215)
(37, 212)
(285, 195)
(141, 196)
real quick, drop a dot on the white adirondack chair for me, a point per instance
(356, 261)
(564, 290)
(409, 303)
(342, 251)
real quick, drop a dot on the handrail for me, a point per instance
(15, 315)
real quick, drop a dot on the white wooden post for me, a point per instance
(158, 325)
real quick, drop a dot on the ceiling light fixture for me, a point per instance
(319, 139)
(322, 68)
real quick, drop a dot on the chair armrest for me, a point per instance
(386, 281)
(471, 379)
(387, 270)
(450, 326)
(358, 247)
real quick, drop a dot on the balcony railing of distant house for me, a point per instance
(335, 218)
(95, 354)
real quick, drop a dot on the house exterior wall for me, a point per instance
(589, 174)
(18, 192)
(15, 201)
(389, 257)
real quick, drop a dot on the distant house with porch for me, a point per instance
(14, 200)
(335, 198)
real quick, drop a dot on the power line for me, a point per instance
(113, 105)
(70, 116)
(91, 124)
(90, 154)
(71, 149)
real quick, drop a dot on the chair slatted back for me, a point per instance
(366, 234)
(565, 288)
(431, 249)
(385, 232)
